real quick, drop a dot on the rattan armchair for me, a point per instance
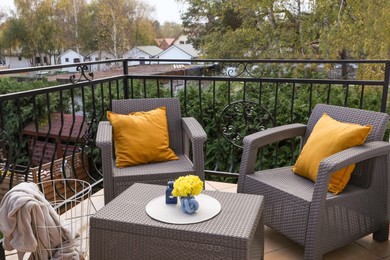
(184, 133)
(306, 212)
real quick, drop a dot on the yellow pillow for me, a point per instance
(141, 137)
(330, 136)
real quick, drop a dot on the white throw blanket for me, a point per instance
(30, 224)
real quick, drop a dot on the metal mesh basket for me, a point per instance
(64, 236)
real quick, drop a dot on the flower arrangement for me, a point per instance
(187, 186)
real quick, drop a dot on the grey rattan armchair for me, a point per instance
(306, 212)
(183, 133)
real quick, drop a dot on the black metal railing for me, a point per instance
(48, 131)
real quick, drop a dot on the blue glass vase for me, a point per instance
(189, 204)
(169, 198)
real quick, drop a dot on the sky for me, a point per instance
(165, 10)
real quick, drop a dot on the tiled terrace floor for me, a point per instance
(278, 247)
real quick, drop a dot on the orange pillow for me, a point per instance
(328, 137)
(141, 137)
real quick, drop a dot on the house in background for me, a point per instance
(142, 52)
(179, 51)
(13, 59)
(98, 56)
(16, 61)
(164, 43)
(70, 57)
(182, 39)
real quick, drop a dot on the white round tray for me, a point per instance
(172, 213)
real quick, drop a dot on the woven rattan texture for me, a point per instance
(123, 230)
(183, 134)
(305, 211)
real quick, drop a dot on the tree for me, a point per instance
(34, 30)
(71, 16)
(168, 29)
(354, 29)
(42, 28)
(142, 30)
(257, 28)
(120, 24)
(88, 29)
(284, 28)
(111, 21)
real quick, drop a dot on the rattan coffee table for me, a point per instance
(123, 230)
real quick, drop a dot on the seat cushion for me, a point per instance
(153, 173)
(141, 137)
(328, 137)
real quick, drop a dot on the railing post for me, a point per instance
(385, 87)
(126, 80)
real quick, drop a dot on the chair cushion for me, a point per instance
(328, 137)
(141, 137)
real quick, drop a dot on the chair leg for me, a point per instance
(382, 234)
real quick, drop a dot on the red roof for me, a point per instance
(74, 123)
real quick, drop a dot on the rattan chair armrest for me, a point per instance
(194, 130)
(347, 157)
(196, 134)
(104, 135)
(275, 134)
(104, 141)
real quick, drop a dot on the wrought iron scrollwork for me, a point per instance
(5, 153)
(242, 118)
(244, 68)
(82, 70)
(88, 137)
(4, 142)
(89, 146)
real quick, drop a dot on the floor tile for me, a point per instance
(381, 249)
(222, 185)
(208, 186)
(99, 193)
(292, 252)
(351, 251)
(97, 202)
(274, 240)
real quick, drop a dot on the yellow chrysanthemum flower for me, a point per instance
(190, 185)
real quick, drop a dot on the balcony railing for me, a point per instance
(48, 131)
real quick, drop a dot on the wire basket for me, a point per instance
(64, 236)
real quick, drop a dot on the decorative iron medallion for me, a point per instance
(83, 77)
(244, 69)
(242, 118)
